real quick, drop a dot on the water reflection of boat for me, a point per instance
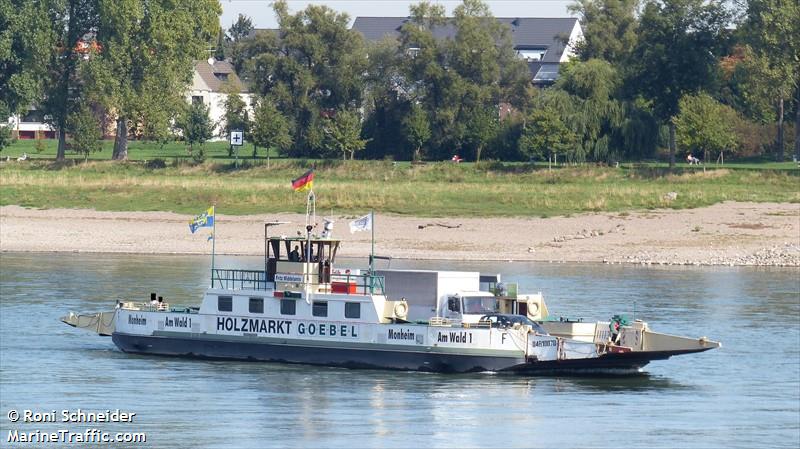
(302, 308)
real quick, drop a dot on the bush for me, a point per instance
(706, 125)
(754, 138)
(156, 163)
(85, 129)
(199, 156)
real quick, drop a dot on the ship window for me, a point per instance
(288, 307)
(225, 304)
(352, 310)
(256, 305)
(481, 304)
(453, 304)
(320, 308)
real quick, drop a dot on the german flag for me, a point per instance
(304, 182)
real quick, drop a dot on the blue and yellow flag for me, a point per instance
(204, 220)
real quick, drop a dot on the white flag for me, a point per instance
(361, 224)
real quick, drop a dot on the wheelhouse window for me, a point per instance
(320, 308)
(288, 307)
(453, 304)
(225, 303)
(352, 310)
(256, 305)
(481, 304)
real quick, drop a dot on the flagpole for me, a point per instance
(213, 242)
(372, 252)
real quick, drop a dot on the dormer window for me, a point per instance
(531, 54)
(412, 51)
(221, 76)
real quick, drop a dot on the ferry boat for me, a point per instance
(302, 308)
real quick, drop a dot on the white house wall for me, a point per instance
(575, 36)
(216, 107)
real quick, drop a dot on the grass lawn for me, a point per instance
(137, 150)
(353, 187)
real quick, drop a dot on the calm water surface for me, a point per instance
(746, 394)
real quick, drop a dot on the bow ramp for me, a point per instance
(100, 322)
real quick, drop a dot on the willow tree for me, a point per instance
(146, 63)
(594, 113)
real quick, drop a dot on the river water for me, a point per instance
(744, 395)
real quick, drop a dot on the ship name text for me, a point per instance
(454, 337)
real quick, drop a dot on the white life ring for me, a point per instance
(533, 308)
(400, 309)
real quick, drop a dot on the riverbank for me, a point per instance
(730, 233)
(484, 190)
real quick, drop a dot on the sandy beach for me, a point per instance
(724, 234)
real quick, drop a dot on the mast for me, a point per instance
(372, 251)
(311, 215)
(213, 240)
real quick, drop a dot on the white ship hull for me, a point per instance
(311, 313)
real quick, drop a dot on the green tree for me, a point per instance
(315, 68)
(772, 28)
(64, 88)
(195, 124)
(28, 36)
(609, 28)
(481, 128)
(705, 124)
(343, 134)
(84, 127)
(241, 29)
(749, 84)
(676, 54)
(239, 38)
(219, 51)
(235, 115)
(147, 60)
(271, 129)
(5, 131)
(386, 106)
(417, 130)
(545, 134)
(458, 80)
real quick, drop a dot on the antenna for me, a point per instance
(311, 209)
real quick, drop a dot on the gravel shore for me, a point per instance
(731, 233)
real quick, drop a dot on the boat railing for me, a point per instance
(364, 284)
(162, 307)
(440, 322)
(239, 279)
